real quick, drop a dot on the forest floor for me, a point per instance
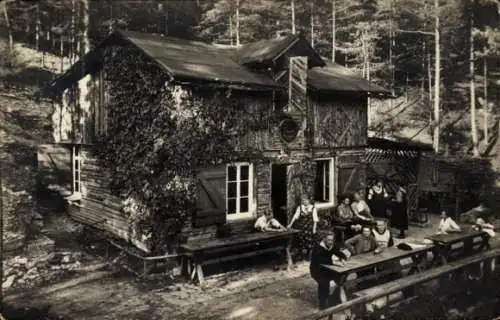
(92, 290)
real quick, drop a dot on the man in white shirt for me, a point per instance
(266, 222)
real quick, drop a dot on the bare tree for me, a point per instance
(334, 28)
(8, 25)
(292, 6)
(437, 77)
(237, 22)
(472, 83)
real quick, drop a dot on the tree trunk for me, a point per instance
(312, 24)
(37, 30)
(429, 76)
(9, 27)
(437, 77)
(486, 103)
(61, 48)
(237, 22)
(78, 34)
(292, 5)
(231, 32)
(334, 28)
(472, 86)
(110, 30)
(391, 43)
(72, 41)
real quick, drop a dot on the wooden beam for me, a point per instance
(400, 284)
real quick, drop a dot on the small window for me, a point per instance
(239, 190)
(323, 187)
(76, 168)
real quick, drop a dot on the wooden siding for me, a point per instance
(98, 207)
(79, 112)
(339, 121)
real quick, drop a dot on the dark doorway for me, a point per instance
(279, 193)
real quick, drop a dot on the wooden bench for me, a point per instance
(238, 246)
(144, 261)
(366, 296)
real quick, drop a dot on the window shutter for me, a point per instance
(211, 203)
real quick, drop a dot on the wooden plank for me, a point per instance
(455, 237)
(367, 260)
(371, 294)
(243, 255)
(238, 239)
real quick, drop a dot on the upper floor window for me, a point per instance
(239, 190)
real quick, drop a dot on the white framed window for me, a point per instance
(76, 169)
(239, 191)
(324, 183)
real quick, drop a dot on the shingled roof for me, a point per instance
(185, 59)
(334, 77)
(191, 61)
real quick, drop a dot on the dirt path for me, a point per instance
(104, 295)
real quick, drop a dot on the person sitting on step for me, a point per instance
(266, 222)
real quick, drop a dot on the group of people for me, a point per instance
(331, 252)
(366, 230)
(353, 213)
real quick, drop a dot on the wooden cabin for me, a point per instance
(314, 146)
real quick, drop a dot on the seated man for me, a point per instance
(362, 243)
(471, 215)
(325, 253)
(447, 224)
(266, 222)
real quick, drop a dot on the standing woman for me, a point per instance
(399, 216)
(306, 220)
(377, 197)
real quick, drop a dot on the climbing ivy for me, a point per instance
(159, 134)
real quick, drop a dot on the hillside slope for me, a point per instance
(24, 125)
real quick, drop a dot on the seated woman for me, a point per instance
(447, 224)
(360, 208)
(266, 222)
(344, 216)
(482, 225)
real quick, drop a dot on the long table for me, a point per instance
(238, 246)
(443, 249)
(362, 262)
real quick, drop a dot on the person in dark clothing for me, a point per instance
(399, 214)
(377, 200)
(325, 253)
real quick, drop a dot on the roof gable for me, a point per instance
(334, 77)
(267, 51)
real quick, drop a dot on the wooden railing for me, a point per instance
(384, 290)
